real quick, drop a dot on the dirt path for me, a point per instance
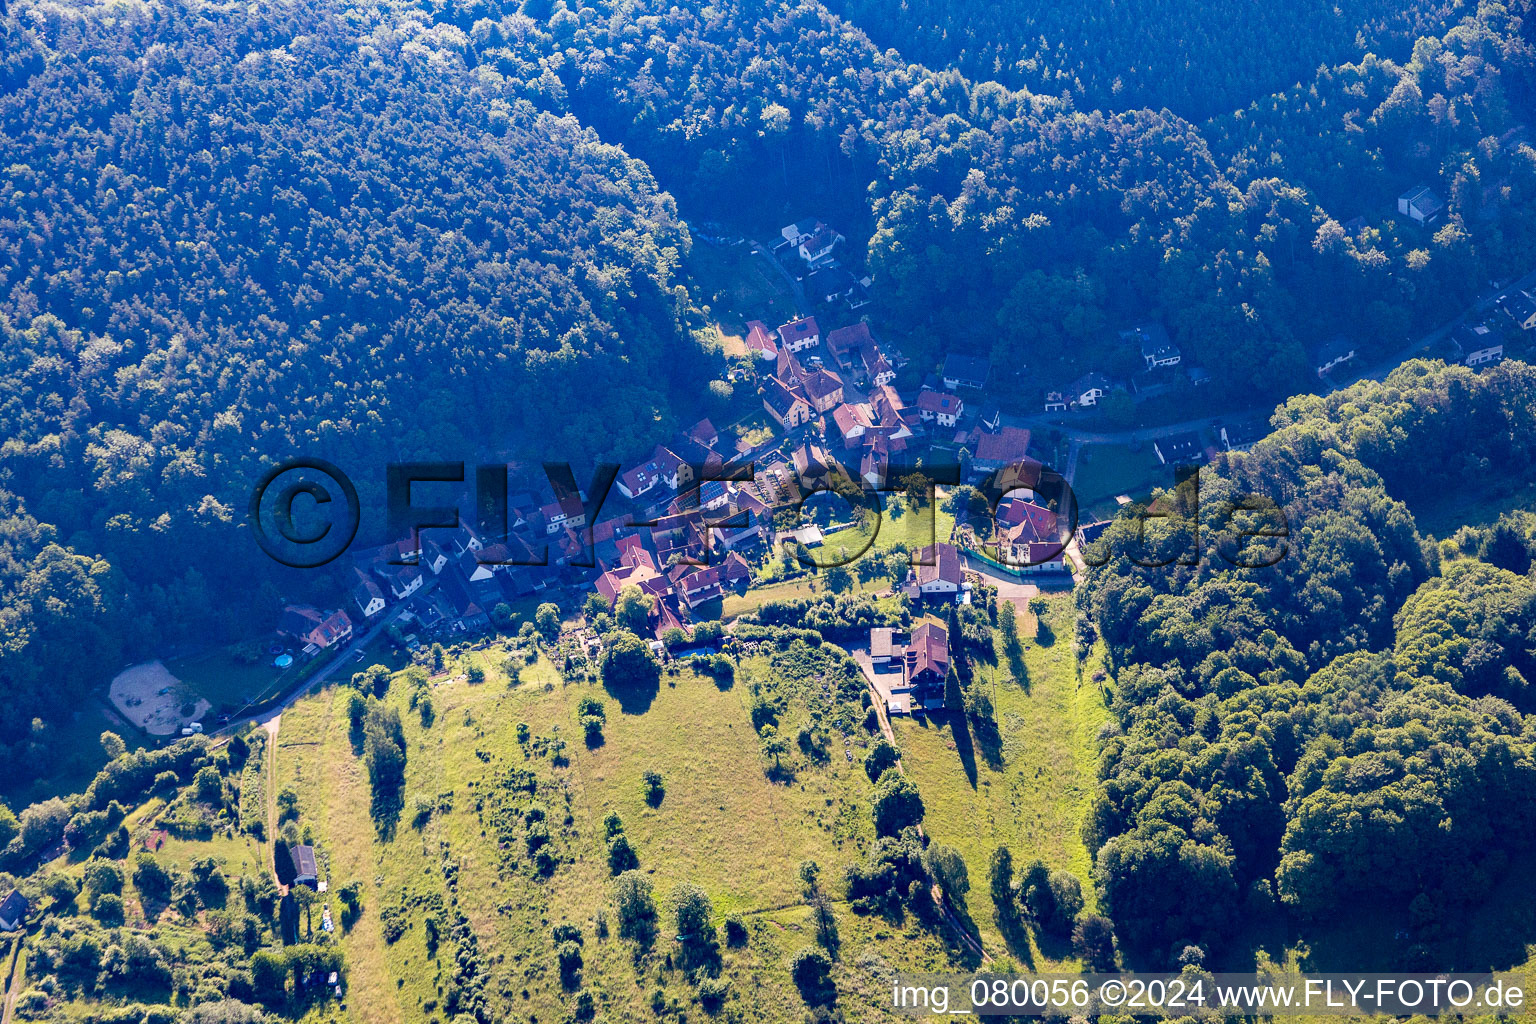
(270, 727)
(16, 976)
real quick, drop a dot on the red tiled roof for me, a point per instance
(799, 330)
(822, 383)
(779, 397)
(845, 341)
(850, 418)
(945, 559)
(928, 652)
(759, 340)
(1010, 444)
(941, 403)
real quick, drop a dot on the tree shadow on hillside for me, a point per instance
(1014, 653)
(635, 697)
(965, 749)
(990, 742)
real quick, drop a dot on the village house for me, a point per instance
(939, 407)
(885, 644)
(799, 231)
(823, 389)
(307, 624)
(846, 343)
(891, 412)
(877, 368)
(925, 669)
(1478, 345)
(1239, 437)
(711, 581)
(568, 512)
(814, 467)
(1179, 450)
(856, 351)
(1334, 352)
(402, 580)
(305, 869)
(1420, 205)
(1008, 446)
(875, 464)
(990, 417)
(760, 343)
(641, 479)
(937, 572)
(636, 568)
(962, 371)
(829, 284)
(1157, 349)
(368, 597)
(1521, 308)
(816, 249)
(1055, 401)
(799, 334)
(703, 434)
(1089, 389)
(852, 421)
(1028, 536)
(13, 911)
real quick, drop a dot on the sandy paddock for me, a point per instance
(136, 695)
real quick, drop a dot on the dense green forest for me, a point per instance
(231, 237)
(1350, 727)
(1124, 54)
(1023, 224)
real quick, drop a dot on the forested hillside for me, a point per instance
(370, 234)
(1115, 55)
(236, 236)
(1023, 225)
(1349, 729)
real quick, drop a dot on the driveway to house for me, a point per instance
(766, 252)
(341, 660)
(1009, 588)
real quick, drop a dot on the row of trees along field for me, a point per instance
(1349, 731)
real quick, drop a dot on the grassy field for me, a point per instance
(897, 526)
(1031, 795)
(229, 677)
(1107, 470)
(736, 287)
(721, 824)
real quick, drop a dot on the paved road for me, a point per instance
(341, 660)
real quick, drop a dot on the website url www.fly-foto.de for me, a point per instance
(1194, 991)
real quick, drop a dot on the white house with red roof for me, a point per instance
(760, 343)
(938, 571)
(816, 249)
(940, 407)
(800, 334)
(307, 624)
